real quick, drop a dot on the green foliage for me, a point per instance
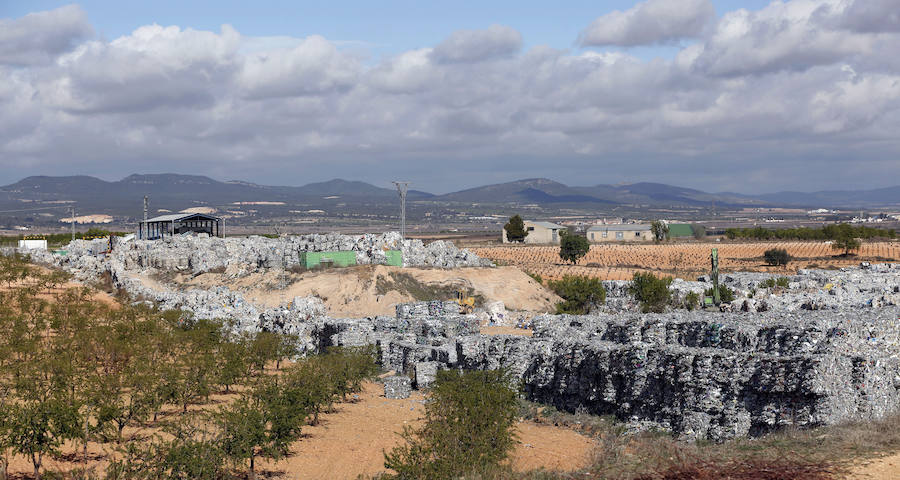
(783, 282)
(579, 294)
(691, 300)
(537, 278)
(651, 291)
(726, 294)
(776, 257)
(468, 430)
(846, 239)
(73, 369)
(515, 229)
(828, 232)
(573, 247)
(699, 231)
(660, 230)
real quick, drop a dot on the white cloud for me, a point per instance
(760, 90)
(650, 22)
(477, 45)
(38, 38)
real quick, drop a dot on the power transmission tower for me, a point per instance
(402, 188)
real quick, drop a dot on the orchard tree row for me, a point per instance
(139, 380)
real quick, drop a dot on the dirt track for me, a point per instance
(350, 442)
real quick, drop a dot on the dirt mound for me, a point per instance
(365, 291)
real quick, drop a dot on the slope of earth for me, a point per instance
(365, 291)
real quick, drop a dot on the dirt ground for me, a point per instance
(883, 468)
(350, 442)
(618, 261)
(371, 290)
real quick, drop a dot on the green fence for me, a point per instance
(337, 259)
(394, 258)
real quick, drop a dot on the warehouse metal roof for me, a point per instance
(549, 225)
(623, 227)
(177, 217)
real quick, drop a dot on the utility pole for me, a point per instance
(402, 188)
(146, 207)
(73, 223)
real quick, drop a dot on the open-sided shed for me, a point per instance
(167, 225)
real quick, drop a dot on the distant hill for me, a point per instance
(175, 192)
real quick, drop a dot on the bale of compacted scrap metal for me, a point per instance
(397, 387)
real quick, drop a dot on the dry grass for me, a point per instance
(825, 453)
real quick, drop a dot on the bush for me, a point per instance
(691, 300)
(726, 295)
(783, 282)
(777, 257)
(651, 291)
(573, 247)
(579, 294)
(468, 428)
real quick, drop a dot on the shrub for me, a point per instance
(726, 295)
(573, 247)
(579, 294)
(699, 231)
(777, 257)
(468, 429)
(783, 282)
(651, 291)
(767, 283)
(537, 278)
(691, 300)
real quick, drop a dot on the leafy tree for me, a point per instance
(468, 429)
(263, 348)
(42, 419)
(579, 294)
(660, 230)
(262, 424)
(573, 247)
(777, 257)
(651, 291)
(846, 240)
(515, 229)
(233, 366)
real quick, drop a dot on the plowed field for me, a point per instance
(620, 262)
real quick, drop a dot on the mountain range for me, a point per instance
(176, 191)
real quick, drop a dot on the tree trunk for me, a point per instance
(4, 466)
(36, 460)
(84, 452)
(252, 467)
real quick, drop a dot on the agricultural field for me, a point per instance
(621, 261)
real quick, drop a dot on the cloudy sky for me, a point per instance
(744, 96)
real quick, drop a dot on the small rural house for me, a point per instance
(630, 232)
(540, 232)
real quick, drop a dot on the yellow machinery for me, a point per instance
(466, 304)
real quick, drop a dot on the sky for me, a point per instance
(744, 96)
